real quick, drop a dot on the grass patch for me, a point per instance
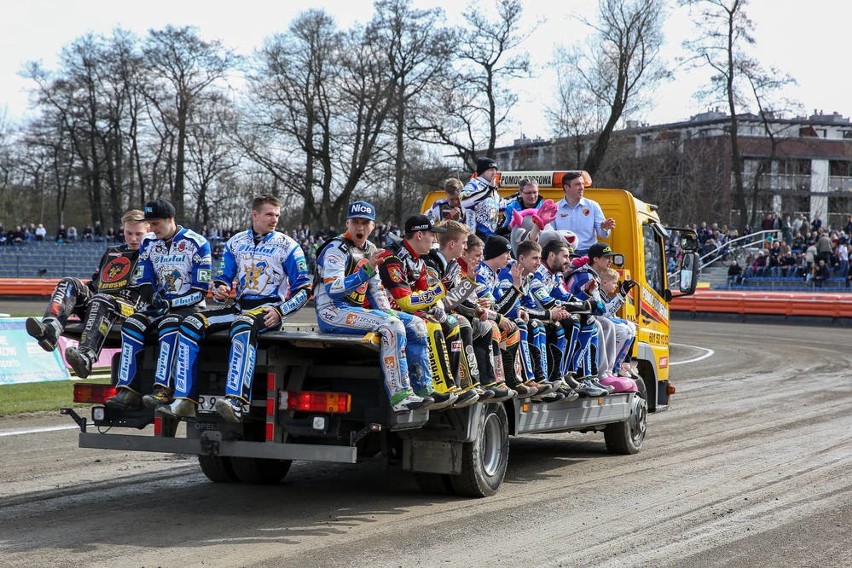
(37, 397)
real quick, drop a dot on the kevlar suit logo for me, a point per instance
(359, 295)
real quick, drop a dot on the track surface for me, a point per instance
(750, 467)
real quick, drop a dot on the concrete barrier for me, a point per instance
(791, 304)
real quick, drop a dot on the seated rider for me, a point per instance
(406, 281)
(349, 298)
(106, 300)
(272, 282)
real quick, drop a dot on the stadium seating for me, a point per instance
(53, 260)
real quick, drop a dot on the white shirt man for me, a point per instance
(584, 217)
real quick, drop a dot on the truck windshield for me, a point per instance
(655, 268)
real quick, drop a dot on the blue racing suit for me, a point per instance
(482, 206)
(271, 272)
(586, 357)
(176, 272)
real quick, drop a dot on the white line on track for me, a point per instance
(4, 433)
(707, 353)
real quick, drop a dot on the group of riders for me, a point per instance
(482, 300)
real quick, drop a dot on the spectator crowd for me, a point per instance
(802, 249)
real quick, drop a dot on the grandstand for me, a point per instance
(50, 260)
(53, 260)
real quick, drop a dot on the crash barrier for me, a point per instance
(704, 300)
(29, 287)
(808, 304)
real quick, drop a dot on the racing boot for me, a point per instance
(81, 360)
(440, 399)
(501, 392)
(180, 408)
(587, 388)
(45, 332)
(126, 399)
(484, 394)
(160, 396)
(465, 398)
(230, 408)
(412, 402)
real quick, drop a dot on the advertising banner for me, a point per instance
(22, 360)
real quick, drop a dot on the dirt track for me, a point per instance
(750, 467)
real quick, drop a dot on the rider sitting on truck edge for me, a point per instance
(549, 301)
(496, 254)
(407, 284)
(349, 298)
(614, 295)
(596, 352)
(272, 282)
(442, 264)
(518, 274)
(107, 299)
(173, 276)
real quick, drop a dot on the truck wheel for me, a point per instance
(260, 471)
(484, 460)
(217, 469)
(628, 436)
(434, 483)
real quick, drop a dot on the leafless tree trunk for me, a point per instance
(611, 76)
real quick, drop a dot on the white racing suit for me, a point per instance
(270, 271)
(345, 285)
(178, 270)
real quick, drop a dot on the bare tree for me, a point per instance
(418, 53)
(287, 120)
(185, 70)
(210, 155)
(320, 101)
(737, 79)
(613, 75)
(475, 102)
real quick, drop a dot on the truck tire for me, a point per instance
(485, 459)
(434, 483)
(260, 471)
(217, 469)
(628, 436)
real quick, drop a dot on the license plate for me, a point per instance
(207, 403)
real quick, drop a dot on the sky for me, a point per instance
(804, 40)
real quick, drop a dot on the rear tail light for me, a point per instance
(93, 393)
(307, 401)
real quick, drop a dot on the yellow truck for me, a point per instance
(640, 237)
(321, 396)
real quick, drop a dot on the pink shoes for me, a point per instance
(619, 384)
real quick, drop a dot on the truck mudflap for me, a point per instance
(212, 443)
(581, 414)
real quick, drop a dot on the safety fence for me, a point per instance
(704, 300)
(807, 304)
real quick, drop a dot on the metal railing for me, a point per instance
(733, 249)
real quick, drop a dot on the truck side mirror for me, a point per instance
(688, 273)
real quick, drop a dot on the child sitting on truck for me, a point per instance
(614, 296)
